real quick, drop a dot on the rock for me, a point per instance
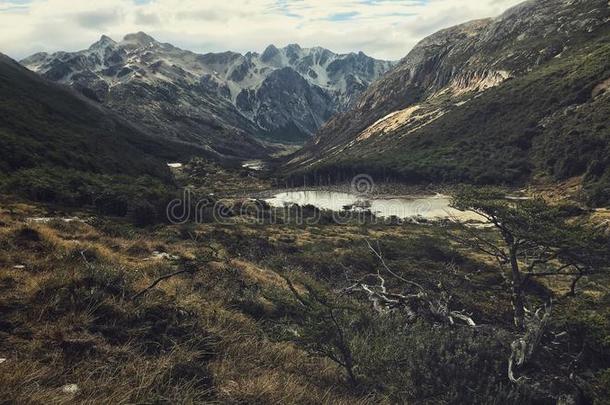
(566, 400)
(70, 389)
(46, 220)
(162, 256)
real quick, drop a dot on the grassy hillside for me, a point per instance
(57, 146)
(46, 124)
(548, 122)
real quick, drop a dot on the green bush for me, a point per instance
(393, 359)
(141, 199)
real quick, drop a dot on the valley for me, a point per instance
(303, 226)
(228, 327)
(441, 115)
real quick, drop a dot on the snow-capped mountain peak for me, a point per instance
(139, 39)
(103, 42)
(319, 82)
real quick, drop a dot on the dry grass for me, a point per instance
(67, 318)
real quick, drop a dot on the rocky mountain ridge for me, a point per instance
(284, 94)
(452, 67)
(404, 123)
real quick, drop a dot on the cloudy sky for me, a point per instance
(381, 28)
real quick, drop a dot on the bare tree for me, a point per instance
(524, 347)
(533, 240)
(324, 326)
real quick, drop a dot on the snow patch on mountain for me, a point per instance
(323, 82)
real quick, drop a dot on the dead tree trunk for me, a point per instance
(517, 291)
(423, 303)
(523, 348)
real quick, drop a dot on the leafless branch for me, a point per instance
(477, 241)
(188, 268)
(385, 266)
(384, 300)
(158, 280)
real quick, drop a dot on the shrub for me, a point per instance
(385, 354)
(142, 199)
(143, 213)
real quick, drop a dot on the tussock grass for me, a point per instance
(216, 335)
(68, 318)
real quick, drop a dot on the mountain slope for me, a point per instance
(220, 99)
(477, 102)
(42, 123)
(169, 102)
(58, 147)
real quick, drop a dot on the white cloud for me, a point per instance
(381, 28)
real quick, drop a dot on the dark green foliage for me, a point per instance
(58, 147)
(44, 124)
(144, 212)
(587, 322)
(534, 241)
(440, 364)
(240, 244)
(385, 355)
(535, 226)
(143, 199)
(326, 324)
(604, 386)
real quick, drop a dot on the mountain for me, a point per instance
(490, 101)
(46, 124)
(218, 99)
(59, 147)
(139, 80)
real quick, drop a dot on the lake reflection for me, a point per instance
(432, 207)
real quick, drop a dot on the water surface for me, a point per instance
(429, 207)
(256, 165)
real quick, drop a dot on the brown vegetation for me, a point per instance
(227, 328)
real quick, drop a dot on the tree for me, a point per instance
(535, 240)
(344, 328)
(403, 348)
(325, 324)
